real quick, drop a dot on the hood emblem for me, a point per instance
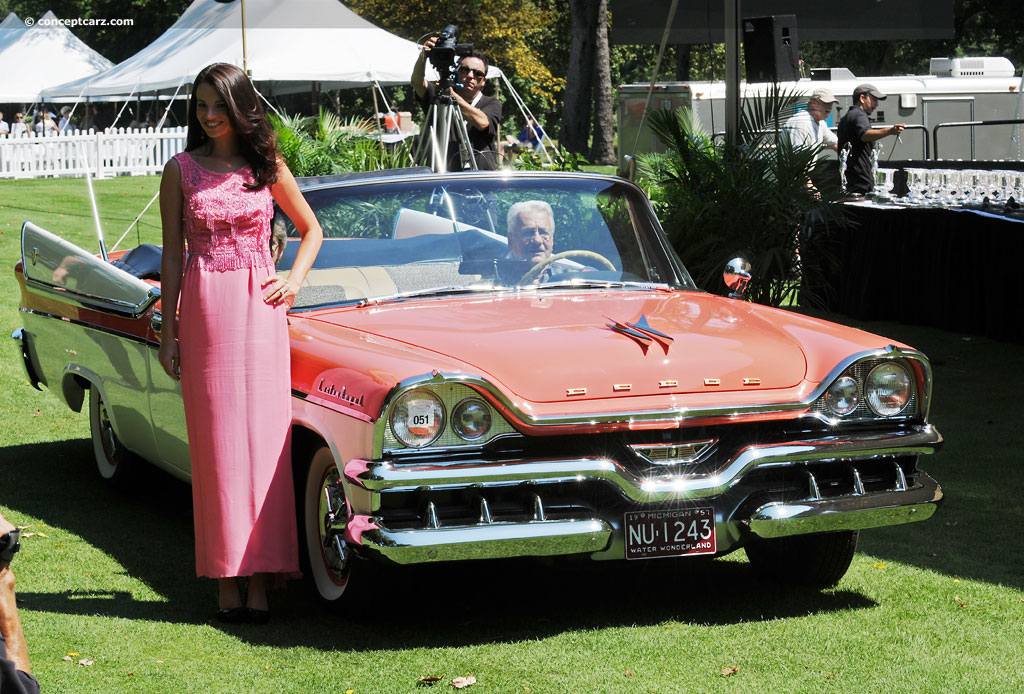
(642, 333)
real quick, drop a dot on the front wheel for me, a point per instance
(327, 559)
(819, 560)
(115, 463)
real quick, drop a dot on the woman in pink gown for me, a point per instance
(230, 348)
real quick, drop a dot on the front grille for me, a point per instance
(526, 500)
(514, 503)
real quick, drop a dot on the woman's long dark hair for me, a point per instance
(255, 135)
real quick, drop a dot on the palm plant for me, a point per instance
(717, 201)
(325, 144)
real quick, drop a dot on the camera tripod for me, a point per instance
(444, 125)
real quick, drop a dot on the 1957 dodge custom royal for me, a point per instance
(469, 383)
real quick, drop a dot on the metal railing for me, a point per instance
(966, 124)
(910, 126)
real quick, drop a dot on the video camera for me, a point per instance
(442, 57)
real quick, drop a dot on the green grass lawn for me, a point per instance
(109, 577)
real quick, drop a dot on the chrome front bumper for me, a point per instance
(489, 541)
(602, 536)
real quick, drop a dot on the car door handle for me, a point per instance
(157, 322)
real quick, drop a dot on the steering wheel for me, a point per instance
(539, 267)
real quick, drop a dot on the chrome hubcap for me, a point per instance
(333, 514)
(107, 436)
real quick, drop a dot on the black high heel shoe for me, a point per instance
(232, 615)
(255, 616)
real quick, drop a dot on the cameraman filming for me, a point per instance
(15, 677)
(482, 113)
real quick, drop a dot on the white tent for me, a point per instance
(42, 56)
(289, 41)
(10, 29)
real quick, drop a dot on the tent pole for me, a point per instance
(732, 71)
(376, 115)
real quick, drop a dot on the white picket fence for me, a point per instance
(117, 152)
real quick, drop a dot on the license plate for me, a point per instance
(670, 533)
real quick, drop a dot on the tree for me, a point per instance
(602, 150)
(578, 102)
(588, 92)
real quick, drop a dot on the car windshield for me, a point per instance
(436, 236)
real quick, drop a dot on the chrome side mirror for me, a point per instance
(737, 277)
(627, 167)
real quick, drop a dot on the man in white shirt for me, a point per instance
(808, 128)
(4, 128)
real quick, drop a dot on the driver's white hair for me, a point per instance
(513, 221)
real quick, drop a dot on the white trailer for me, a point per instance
(958, 90)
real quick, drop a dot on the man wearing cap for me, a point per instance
(808, 128)
(855, 129)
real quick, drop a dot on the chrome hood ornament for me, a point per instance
(642, 333)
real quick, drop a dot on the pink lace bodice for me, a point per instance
(226, 225)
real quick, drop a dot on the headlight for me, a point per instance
(471, 419)
(417, 418)
(843, 397)
(888, 389)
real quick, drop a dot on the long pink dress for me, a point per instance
(235, 379)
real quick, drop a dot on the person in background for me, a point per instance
(65, 124)
(482, 113)
(100, 120)
(15, 672)
(5, 129)
(855, 130)
(808, 128)
(19, 128)
(46, 125)
(531, 135)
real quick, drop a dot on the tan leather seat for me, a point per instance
(357, 282)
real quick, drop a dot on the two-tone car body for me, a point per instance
(454, 402)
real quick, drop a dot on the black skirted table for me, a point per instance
(953, 268)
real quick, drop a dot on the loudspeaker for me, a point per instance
(771, 49)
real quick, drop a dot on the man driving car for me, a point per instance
(531, 231)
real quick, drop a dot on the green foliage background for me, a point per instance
(530, 39)
(717, 201)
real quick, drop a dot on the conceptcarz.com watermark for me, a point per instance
(73, 22)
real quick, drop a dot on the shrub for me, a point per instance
(752, 199)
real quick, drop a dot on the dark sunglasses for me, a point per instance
(479, 74)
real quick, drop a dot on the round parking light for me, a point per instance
(471, 419)
(843, 397)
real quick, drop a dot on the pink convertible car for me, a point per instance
(505, 365)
